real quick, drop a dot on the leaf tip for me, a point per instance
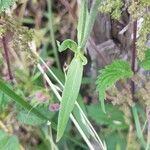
(58, 137)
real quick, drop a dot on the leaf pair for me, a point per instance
(119, 69)
(72, 45)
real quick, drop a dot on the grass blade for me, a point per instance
(138, 126)
(9, 92)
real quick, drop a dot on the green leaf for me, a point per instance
(116, 141)
(29, 118)
(8, 142)
(114, 118)
(70, 94)
(146, 62)
(5, 4)
(90, 21)
(119, 69)
(4, 101)
(138, 126)
(9, 92)
(67, 44)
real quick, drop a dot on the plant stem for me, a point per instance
(133, 57)
(90, 21)
(50, 17)
(6, 52)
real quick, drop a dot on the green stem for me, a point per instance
(50, 17)
(90, 22)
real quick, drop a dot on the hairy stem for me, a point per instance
(6, 53)
(133, 57)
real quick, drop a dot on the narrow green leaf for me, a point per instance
(119, 69)
(90, 21)
(5, 4)
(82, 20)
(70, 94)
(67, 44)
(138, 126)
(9, 92)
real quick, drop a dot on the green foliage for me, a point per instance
(116, 141)
(138, 126)
(4, 100)
(20, 37)
(112, 7)
(19, 100)
(90, 22)
(145, 2)
(141, 43)
(83, 16)
(67, 44)
(8, 142)
(5, 4)
(114, 118)
(70, 94)
(29, 118)
(119, 69)
(74, 75)
(146, 62)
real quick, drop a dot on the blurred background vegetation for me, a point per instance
(46, 21)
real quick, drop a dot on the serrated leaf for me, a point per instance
(146, 62)
(8, 142)
(119, 69)
(5, 4)
(29, 118)
(67, 44)
(70, 94)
